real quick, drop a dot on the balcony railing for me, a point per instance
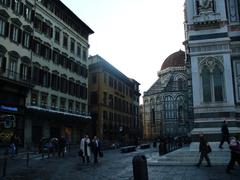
(15, 77)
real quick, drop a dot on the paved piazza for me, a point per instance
(113, 166)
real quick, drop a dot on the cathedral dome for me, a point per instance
(176, 59)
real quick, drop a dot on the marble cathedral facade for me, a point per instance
(165, 108)
(212, 32)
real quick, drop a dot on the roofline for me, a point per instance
(90, 31)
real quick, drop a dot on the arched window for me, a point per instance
(212, 81)
(180, 84)
(206, 84)
(180, 109)
(218, 84)
(168, 107)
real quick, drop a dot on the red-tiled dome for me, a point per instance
(176, 59)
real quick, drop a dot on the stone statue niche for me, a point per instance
(205, 6)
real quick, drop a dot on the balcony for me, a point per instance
(13, 77)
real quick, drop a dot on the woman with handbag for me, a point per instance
(204, 149)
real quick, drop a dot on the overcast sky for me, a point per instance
(135, 36)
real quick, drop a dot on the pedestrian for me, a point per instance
(225, 134)
(235, 154)
(204, 149)
(85, 145)
(61, 146)
(96, 148)
(15, 140)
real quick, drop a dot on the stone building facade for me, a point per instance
(43, 53)
(113, 102)
(165, 104)
(212, 31)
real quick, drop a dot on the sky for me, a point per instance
(135, 36)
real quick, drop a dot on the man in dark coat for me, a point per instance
(95, 148)
(204, 150)
(225, 134)
(61, 146)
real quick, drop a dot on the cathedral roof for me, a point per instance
(176, 59)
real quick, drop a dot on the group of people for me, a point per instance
(234, 145)
(87, 146)
(52, 146)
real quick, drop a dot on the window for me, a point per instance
(12, 67)
(34, 98)
(94, 98)
(72, 48)
(62, 104)
(71, 87)
(16, 6)
(36, 74)
(27, 13)
(37, 48)
(26, 40)
(77, 106)
(43, 102)
(218, 84)
(212, 81)
(55, 81)
(45, 77)
(79, 49)
(2, 27)
(64, 84)
(70, 106)
(53, 102)
(38, 24)
(56, 57)
(5, 2)
(206, 85)
(46, 52)
(65, 40)
(24, 71)
(105, 98)
(84, 55)
(169, 107)
(180, 83)
(83, 108)
(15, 34)
(57, 35)
(94, 78)
(105, 78)
(110, 81)
(47, 30)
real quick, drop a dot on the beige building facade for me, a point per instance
(114, 102)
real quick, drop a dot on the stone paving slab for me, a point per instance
(185, 156)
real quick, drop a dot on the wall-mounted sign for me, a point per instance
(8, 108)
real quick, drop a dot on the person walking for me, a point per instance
(235, 154)
(96, 148)
(61, 146)
(85, 148)
(204, 150)
(225, 134)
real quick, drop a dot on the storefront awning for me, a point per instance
(39, 109)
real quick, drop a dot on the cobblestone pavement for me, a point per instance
(113, 166)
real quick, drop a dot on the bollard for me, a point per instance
(28, 148)
(5, 163)
(140, 171)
